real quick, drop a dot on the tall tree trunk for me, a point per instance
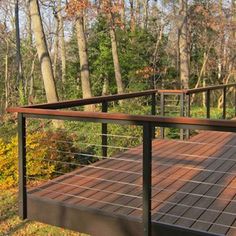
(83, 56)
(42, 50)
(132, 16)
(20, 78)
(29, 25)
(145, 13)
(122, 12)
(137, 12)
(62, 43)
(6, 75)
(184, 45)
(55, 48)
(120, 88)
(233, 6)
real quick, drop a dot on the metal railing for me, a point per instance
(147, 122)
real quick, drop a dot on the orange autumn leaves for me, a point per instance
(105, 7)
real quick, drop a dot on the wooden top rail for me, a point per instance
(117, 97)
(180, 122)
(93, 100)
(197, 90)
(204, 89)
(176, 91)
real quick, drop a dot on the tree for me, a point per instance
(76, 9)
(42, 50)
(184, 44)
(109, 9)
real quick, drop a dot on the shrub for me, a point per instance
(47, 155)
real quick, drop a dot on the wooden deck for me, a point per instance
(193, 186)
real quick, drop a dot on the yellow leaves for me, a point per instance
(40, 148)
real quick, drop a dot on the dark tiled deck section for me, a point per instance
(194, 184)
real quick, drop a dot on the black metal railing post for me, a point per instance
(182, 97)
(147, 178)
(154, 112)
(22, 166)
(208, 102)
(224, 102)
(104, 130)
(188, 112)
(162, 114)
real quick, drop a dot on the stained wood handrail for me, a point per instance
(93, 100)
(204, 89)
(208, 124)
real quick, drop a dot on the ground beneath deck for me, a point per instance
(193, 184)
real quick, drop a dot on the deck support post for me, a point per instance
(224, 102)
(104, 130)
(208, 102)
(162, 114)
(154, 113)
(147, 178)
(22, 166)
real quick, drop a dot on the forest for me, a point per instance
(72, 49)
(57, 50)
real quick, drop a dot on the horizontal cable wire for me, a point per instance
(93, 167)
(194, 194)
(84, 187)
(166, 176)
(170, 190)
(91, 155)
(209, 157)
(97, 178)
(199, 169)
(88, 198)
(193, 207)
(133, 196)
(88, 144)
(204, 143)
(195, 220)
(118, 136)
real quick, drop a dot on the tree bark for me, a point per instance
(6, 75)
(184, 45)
(122, 12)
(132, 16)
(42, 50)
(137, 12)
(83, 56)
(20, 78)
(55, 48)
(145, 13)
(62, 43)
(116, 62)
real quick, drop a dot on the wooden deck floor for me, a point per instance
(194, 184)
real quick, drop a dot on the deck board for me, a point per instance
(193, 183)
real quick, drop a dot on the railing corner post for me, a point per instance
(162, 114)
(153, 113)
(224, 102)
(188, 112)
(22, 166)
(104, 130)
(147, 178)
(208, 102)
